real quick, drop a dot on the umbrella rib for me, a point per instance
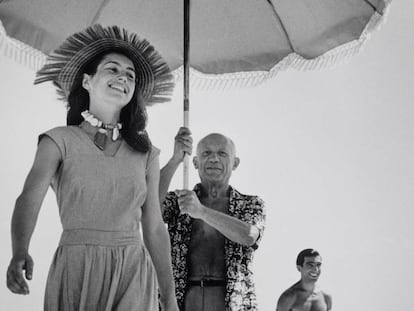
(99, 11)
(283, 26)
(373, 6)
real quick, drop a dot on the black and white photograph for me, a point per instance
(207, 155)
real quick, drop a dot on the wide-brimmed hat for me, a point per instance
(65, 64)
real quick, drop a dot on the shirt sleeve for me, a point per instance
(256, 216)
(152, 156)
(57, 136)
(171, 210)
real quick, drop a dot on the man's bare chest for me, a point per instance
(310, 303)
(204, 234)
(206, 249)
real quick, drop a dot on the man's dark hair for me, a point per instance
(309, 252)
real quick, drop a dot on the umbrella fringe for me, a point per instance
(20, 52)
(246, 79)
(35, 59)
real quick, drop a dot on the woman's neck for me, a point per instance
(107, 116)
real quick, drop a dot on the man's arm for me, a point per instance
(286, 301)
(328, 301)
(182, 145)
(232, 228)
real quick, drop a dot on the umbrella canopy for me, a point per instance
(233, 42)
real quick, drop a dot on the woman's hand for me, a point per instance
(15, 279)
(47, 161)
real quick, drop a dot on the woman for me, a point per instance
(105, 174)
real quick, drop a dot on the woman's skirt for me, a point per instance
(102, 271)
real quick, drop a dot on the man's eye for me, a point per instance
(131, 76)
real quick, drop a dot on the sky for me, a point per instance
(329, 151)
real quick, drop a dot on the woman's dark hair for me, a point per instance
(133, 116)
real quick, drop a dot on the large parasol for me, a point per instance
(234, 43)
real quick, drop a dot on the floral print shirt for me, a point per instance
(240, 291)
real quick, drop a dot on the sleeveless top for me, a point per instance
(98, 192)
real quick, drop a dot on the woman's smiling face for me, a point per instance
(114, 80)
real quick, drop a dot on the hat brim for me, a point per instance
(65, 64)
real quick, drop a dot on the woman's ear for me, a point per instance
(85, 81)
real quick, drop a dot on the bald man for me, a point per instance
(214, 229)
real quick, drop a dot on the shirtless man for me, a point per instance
(214, 229)
(305, 295)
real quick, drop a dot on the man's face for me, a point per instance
(311, 268)
(215, 158)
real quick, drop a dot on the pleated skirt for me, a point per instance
(102, 271)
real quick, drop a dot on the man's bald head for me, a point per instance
(216, 158)
(217, 138)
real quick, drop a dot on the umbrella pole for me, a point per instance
(186, 163)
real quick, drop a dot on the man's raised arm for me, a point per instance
(183, 144)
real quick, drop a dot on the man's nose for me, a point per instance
(213, 157)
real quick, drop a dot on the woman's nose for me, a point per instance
(122, 77)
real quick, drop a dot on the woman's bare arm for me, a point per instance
(157, 240)
(47, 160)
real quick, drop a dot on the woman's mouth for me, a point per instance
(118, 87)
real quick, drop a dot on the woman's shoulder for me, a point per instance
(69, 139)
(63, 129)
(151, 155)
(154, 151)
(61, 135)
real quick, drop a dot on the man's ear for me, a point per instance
(195, 162)
(85, 81)
(299, 268)
(236, 163)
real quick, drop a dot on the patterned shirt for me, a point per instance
(240, 292)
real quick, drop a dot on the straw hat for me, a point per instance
(65, 64)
